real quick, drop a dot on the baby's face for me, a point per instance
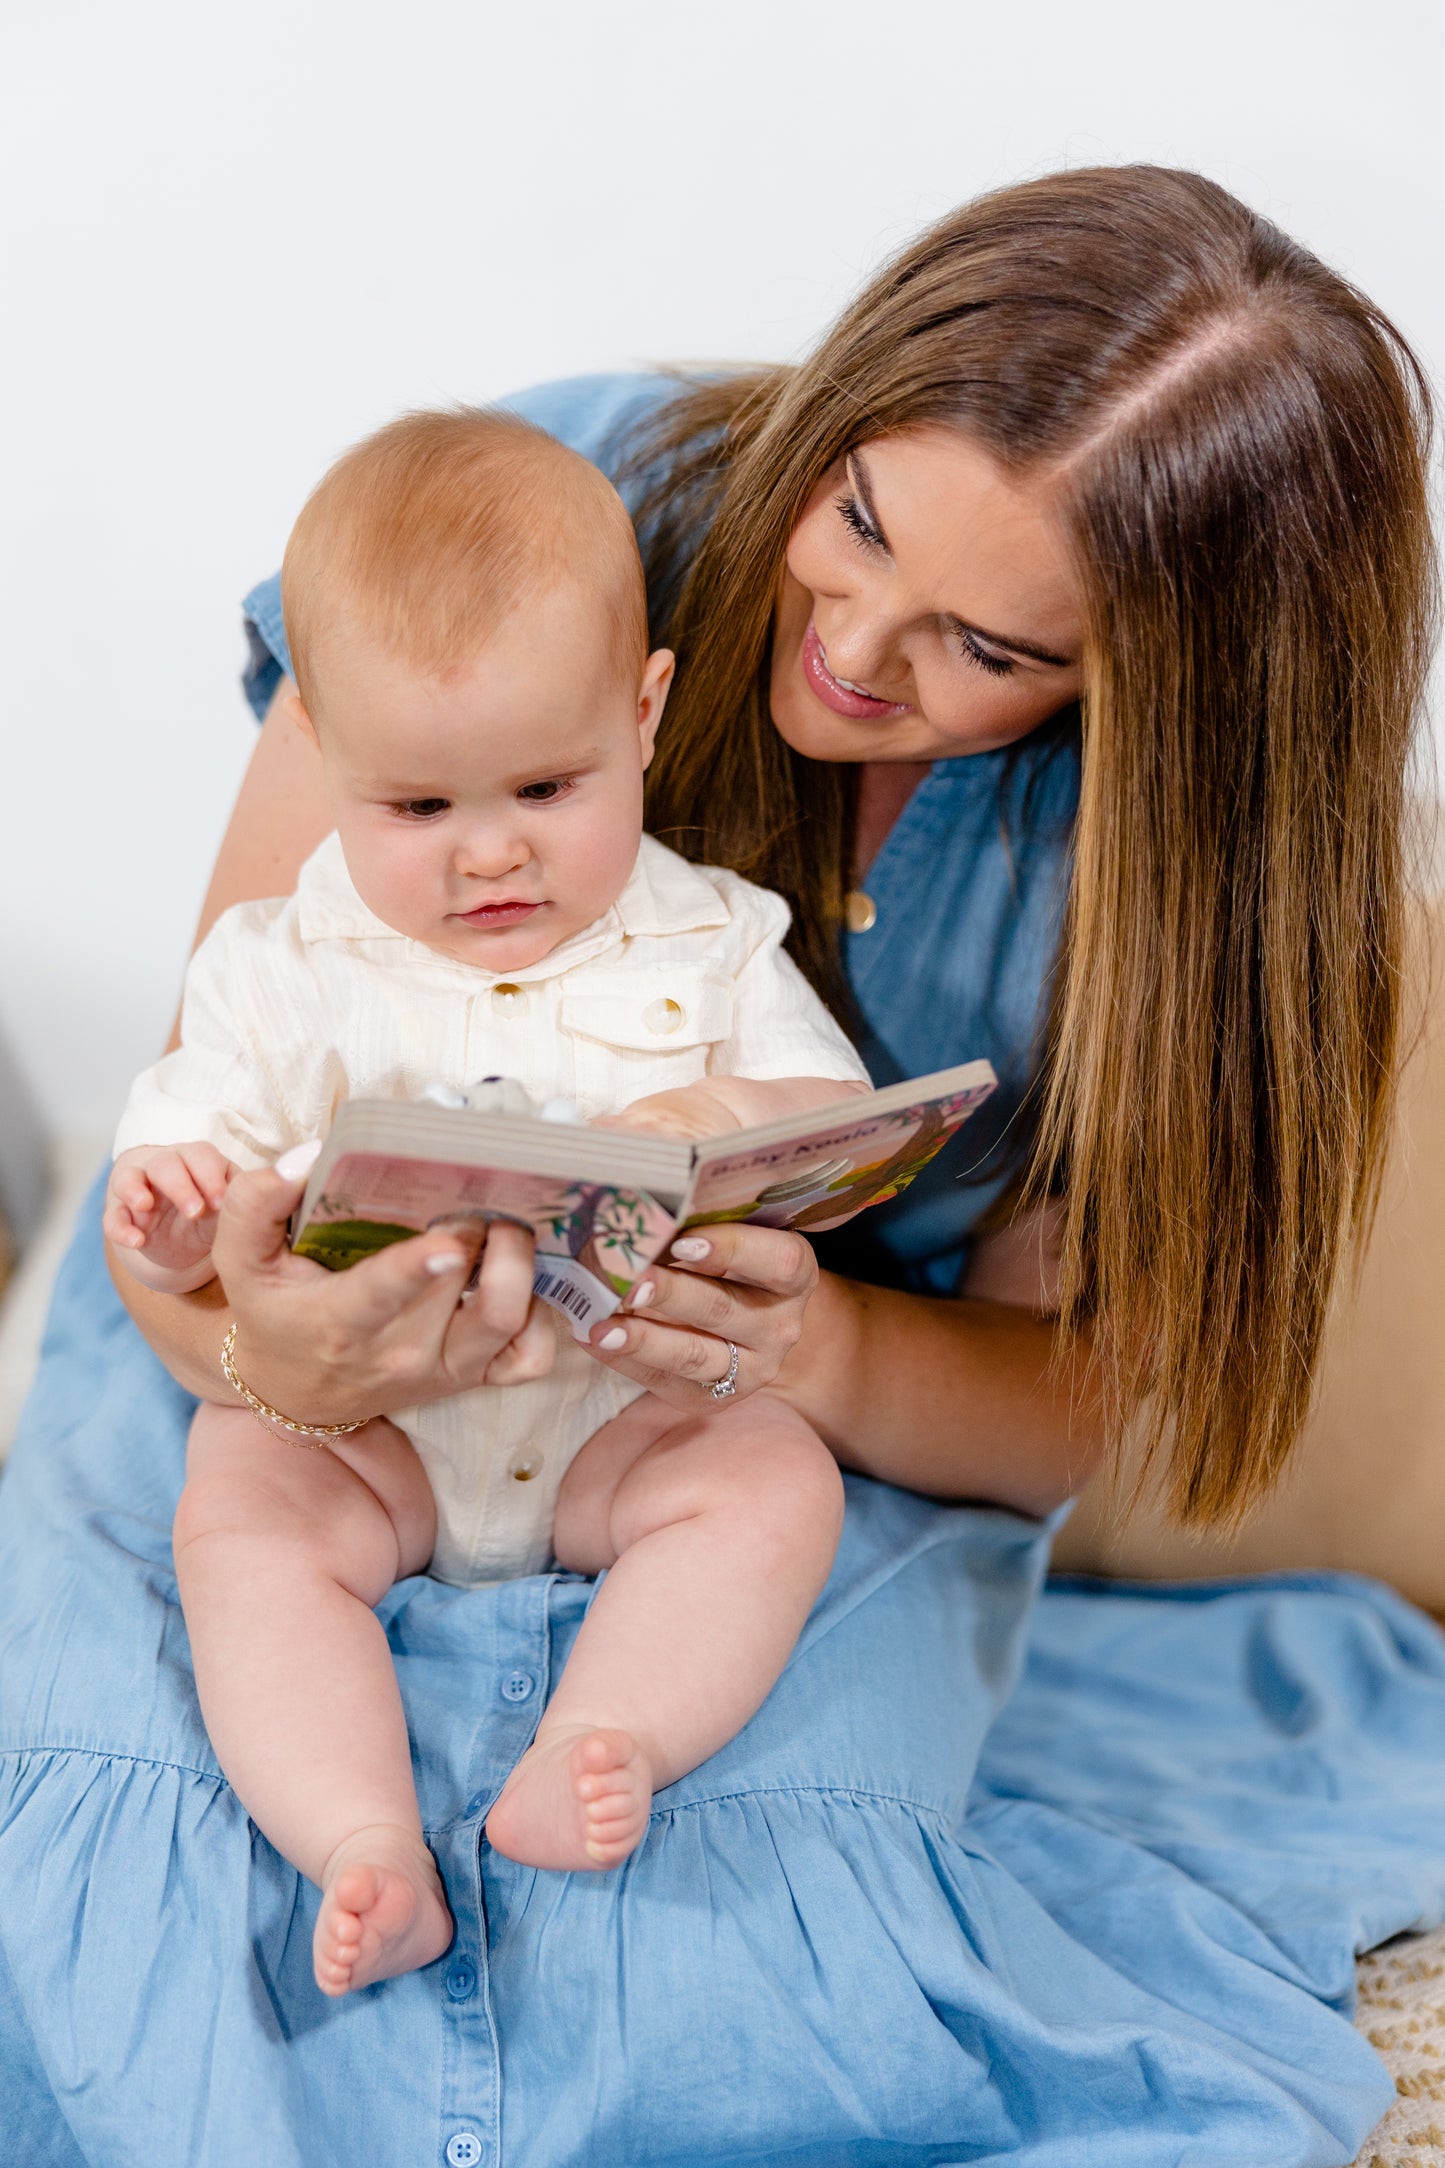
(494, 811)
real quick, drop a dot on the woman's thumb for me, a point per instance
(258, 1206)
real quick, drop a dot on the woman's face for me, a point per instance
(927, 607)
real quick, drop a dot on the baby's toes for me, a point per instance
(601, 1754)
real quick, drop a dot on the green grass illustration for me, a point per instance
(339, 1243)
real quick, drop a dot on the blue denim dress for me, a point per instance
(1066, 1877)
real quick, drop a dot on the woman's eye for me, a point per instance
(544, 793)
(422, 809)
(856, 520)
(996, 665)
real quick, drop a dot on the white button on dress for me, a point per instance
(664, 1017)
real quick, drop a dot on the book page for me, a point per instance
(819, 1181)
(593, 1239)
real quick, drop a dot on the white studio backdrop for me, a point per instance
(236, 238)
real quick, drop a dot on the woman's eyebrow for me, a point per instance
(862, 482)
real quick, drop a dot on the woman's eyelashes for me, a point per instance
(996, 665)
(859, 525)
(863, 531)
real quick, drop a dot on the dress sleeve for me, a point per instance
(779, 1025)
(216, 1087)
(594, 414)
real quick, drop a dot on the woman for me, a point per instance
(1106, 439)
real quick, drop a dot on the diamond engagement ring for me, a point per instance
(726, 1387)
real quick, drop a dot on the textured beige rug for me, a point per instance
(1402, 2013)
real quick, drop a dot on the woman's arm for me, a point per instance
(960, 1398)
(277, 821)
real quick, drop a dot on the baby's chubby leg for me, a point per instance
(718, 1531)
(281, 1551)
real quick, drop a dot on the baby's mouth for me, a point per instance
(505, 912)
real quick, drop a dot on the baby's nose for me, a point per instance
(490, 855)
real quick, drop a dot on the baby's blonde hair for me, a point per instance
(428, 534)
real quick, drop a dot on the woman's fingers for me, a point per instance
(745, 1285)
(252, 1232)
(744, 1314)
(530, 1355)
(665, 1356)
(771, 1258)
(497, 1309)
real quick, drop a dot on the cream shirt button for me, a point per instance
(506, 996)
(525, 1466)
(663, 1016)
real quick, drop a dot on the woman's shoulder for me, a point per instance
(596, 415)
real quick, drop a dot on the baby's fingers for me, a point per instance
(119, 1229)
(130, 1206)
(172, 1179)
(210, 1170)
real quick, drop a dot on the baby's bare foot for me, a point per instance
(577, 1798)
(382, 1910)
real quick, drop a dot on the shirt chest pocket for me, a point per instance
(643, 1031)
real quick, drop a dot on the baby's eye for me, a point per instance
(544, 793)
(422, 809)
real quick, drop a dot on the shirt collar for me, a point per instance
(663, 895)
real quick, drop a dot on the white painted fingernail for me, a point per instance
(642, 1296)
(443, 1261)
(692, 1248)
(299, 1160)
(613, 1340)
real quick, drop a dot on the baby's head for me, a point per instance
(468, 627)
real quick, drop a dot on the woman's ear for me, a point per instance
(652, 697)
(295, 712)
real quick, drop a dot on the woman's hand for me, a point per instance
(747, 1285)
(393, 1331)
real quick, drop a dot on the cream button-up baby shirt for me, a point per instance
(294, 1005)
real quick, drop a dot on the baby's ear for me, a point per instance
(652, 697)
(294, 711)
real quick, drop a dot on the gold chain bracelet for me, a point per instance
(267, 1415)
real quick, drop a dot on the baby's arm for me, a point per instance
(160, 1213)
(716, 1104)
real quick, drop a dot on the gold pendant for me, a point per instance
(860, 911)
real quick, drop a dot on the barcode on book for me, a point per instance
(573, 1290)
(562, 1294)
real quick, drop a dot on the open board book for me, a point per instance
(604, 1203)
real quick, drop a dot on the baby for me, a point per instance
(465, 609)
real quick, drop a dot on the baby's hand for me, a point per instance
(717, 1104)
(160, 1212)
(691, 1111)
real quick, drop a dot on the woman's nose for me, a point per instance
(863, 647)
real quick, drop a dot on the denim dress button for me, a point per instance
(476, 1803)
(464, 2149)
(518, 1685)
(461, 1979)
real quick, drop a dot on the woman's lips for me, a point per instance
(498, 914)
(842, 699)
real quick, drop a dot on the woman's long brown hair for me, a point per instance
(1237, 441)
